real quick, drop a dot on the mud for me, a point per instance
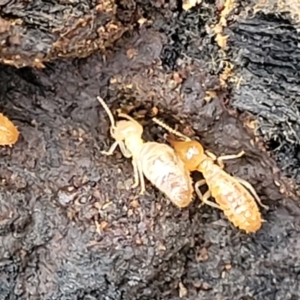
(71, 226)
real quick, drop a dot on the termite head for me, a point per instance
(122, 129)
(190, 152)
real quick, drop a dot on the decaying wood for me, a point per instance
(266, 56)
(32, 32)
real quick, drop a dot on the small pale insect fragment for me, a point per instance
(188, 4)
(182, 290)
(9, 133)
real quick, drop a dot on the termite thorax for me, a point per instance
(133, 143)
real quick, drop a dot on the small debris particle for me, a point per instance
(221, 40)
(121, 185)
(202, 255)
(158, 206)
(16, 40)
(113, 80)
(36, 62)
(238, 82)
(228, 6)
(188, 4)
(134, 203)
(107, 204)
(103, 225)
(182, 290)
(210, 95)
(188, 131)
(226, 74)
(127, 184)
(277, 183)
(142, 21)
(71, 214)
(154, 111)
(100, 227)
(205, 286)
(131, 53)
(218, 29)
(197, 284)
(220, 4)
(97, 195)
(177, 78)
(161, 247)
(4, 25)
(139, 241)
(251, 124)
(282, 189)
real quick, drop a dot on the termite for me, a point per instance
(157, 162)
(9, 133)
(230, 193)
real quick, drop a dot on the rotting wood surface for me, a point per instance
(34, 32)
(265, 53)
(71, 227)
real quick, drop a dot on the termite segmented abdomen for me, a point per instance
(238, 205)
(165, 170)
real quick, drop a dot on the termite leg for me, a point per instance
(211, 155)
(220, 159)
(124, 151)
(232, 156)
(142, 179)
(136, 174)
(252, 190)
(111, 149)
(204, 198)
(200, 183)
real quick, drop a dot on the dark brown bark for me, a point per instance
(265, 51)
(34, 32)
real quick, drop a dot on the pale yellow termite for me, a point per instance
(230, 193)
(158, 162)
(9, 133)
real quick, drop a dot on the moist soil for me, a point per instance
(72, 227)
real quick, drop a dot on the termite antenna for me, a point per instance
(170, 129)
(108, 111)
(125, 116)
